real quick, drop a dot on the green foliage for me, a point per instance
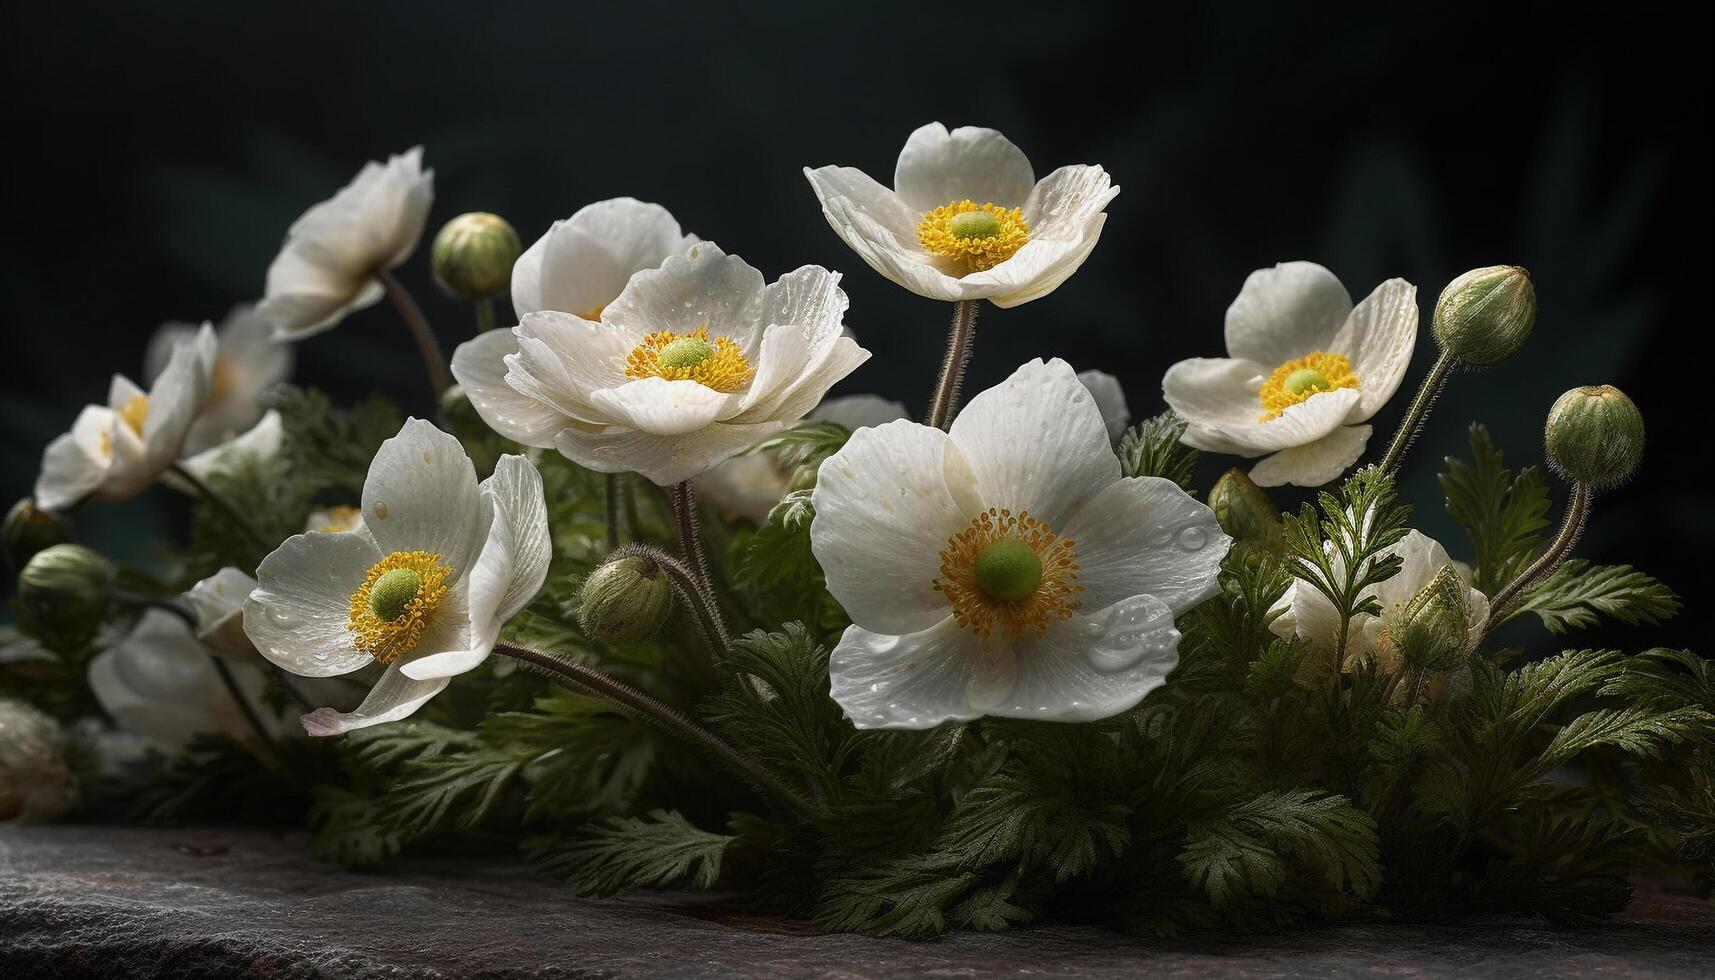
(804, 446)
(780, 551)
(1575, 594)
(659, 850)
(1244, 851)
(1503, 514)
(1152, 448)
(1344, 553)
(329, 449)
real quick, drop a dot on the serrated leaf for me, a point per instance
(1152, 448)
(1575, 594)
(1503, 514)
(660, 850)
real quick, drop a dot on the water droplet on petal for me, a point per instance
(282, 617)
(1139, 627)
(1193, 539)
(381, 509)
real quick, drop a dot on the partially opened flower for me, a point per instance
(333, 255)
(966, 218)
(247, 362)
(583, 262)
(218, 602)
(1005, 567)
(114, 451)
(693, 363)
(439, 566)
(1305, 370)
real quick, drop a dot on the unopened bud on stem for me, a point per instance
(29, 529)
(1595, 436)
(1246, 513)
(1486, 315)
(63, 593)
(625, 600)
(473, 255)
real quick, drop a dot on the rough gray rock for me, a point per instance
(105, 901)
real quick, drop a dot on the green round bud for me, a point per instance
(685, 352)
(473, 255)
(1245, 512)
(1008, 570)
(625, 600)
(1429, 631)
(1486, 315)
(29, 529)
(1595, 436)
(63, 593)
(392, 592)
(973, 224)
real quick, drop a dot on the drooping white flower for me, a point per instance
(114, 451)
(1005, 567)
(247, 362)
(159, 683)
(329, 264)
(218, 602)
(1307, 613)
(693, 363)
(583, 262)
(966, 218)
(1305, 370)
(425, 586)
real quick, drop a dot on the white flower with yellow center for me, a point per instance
(966, 218)
(1305, 370)
(1005, 567)
(1306, 612)
(693, 363)
(583, 262)
(115, 451)
(333, 254)
(425, 586)
(247, 362)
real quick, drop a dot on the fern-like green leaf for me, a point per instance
(1152, 448)
(1503, 514)
(660, 850)
(1576, 593)
(1244, 850)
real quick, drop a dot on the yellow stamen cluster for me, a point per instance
(977, 236)
(340, 518)
(1298, 379)
(1054, 598)
(722, 366)
(135, 412)
(388, 640)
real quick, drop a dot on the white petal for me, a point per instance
(1094, 666)
(584, 262)
(703, 287)
(300, 612)
(73, 465)
(159, 682)
(218, 602)
(824, 369)
(859, 411)
(176, 397)
(480, 367)
(1378, 338)
(899, 259)
(516, 490)
(562, 358)
(883, 514)
(860, 191)
(1286, 312)
(664, 460)
(661, 407)
(746, 486)
(937, 167)
(303, 298)
(1146, 535)
(262, 442)
(1110, 400)
(393, 697)
(1217, 397)
(1062, 206)
(917, 680)
(802, 313)
(1036, 442)
(1055, 269)
(421, 495)
(1314, 463)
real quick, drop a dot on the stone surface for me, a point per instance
(104, 901)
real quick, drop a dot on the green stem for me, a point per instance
(1571, 528)
(434, 360)
(614, 510)
(484, 314)
(226, 507)
(588, 680)
(1418, 413)
(693, 591)
(961, 335)
(691, 544)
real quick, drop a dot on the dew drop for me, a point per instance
(381, 510)
(282, 617)
(1193, 539)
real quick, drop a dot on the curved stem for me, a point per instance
(1571, 528)
(691, 543)
(226, 507)
(434, 361)
(484, 314)
(590, 681)
(1418, 413)
(961, 335)
(702, 603)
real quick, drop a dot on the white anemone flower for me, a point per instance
(334, 254)
(1005, 567)
(1305, 370)
(218, 602)
(966, 218)
(693, 363)
(424, 588)
(116, 450)
(583, 262)
(1307, 613)
(247, 362)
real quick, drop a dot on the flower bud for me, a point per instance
(1485, 315)
(36, 782)
(1429, 631)
(63, 595)
(1246, 513)
(29, 529)
(625, 600)
(1595, 436)
(473, 255)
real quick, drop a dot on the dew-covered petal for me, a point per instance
(1378, 338)
(917, 680)
(661, 407)
(480, 367)
(421, 495)
(1146, 535)
(393, 697)
(299, 614)
(702, 287)
(1093, 666)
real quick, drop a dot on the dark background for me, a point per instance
(158, 152)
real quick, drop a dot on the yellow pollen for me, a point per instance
(1298, 379)
(1053, 599)
(388, 640)
(977, 236)
(220, 384)
(724, 368)
(135, 412)
(594, 314)
(340, 518)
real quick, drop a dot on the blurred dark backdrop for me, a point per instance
(159, 151)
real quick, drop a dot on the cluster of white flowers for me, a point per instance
(1002, 566)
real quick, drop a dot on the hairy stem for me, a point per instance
(434, 361)
(702, 584)
(1571, 528)
(961, 335)
(226, 507)
(590, 681)
(1418, 413)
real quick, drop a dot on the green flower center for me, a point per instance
(685, 353)
(973, 224)
(1306, 379)
(392, 592)
(1008, 570)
